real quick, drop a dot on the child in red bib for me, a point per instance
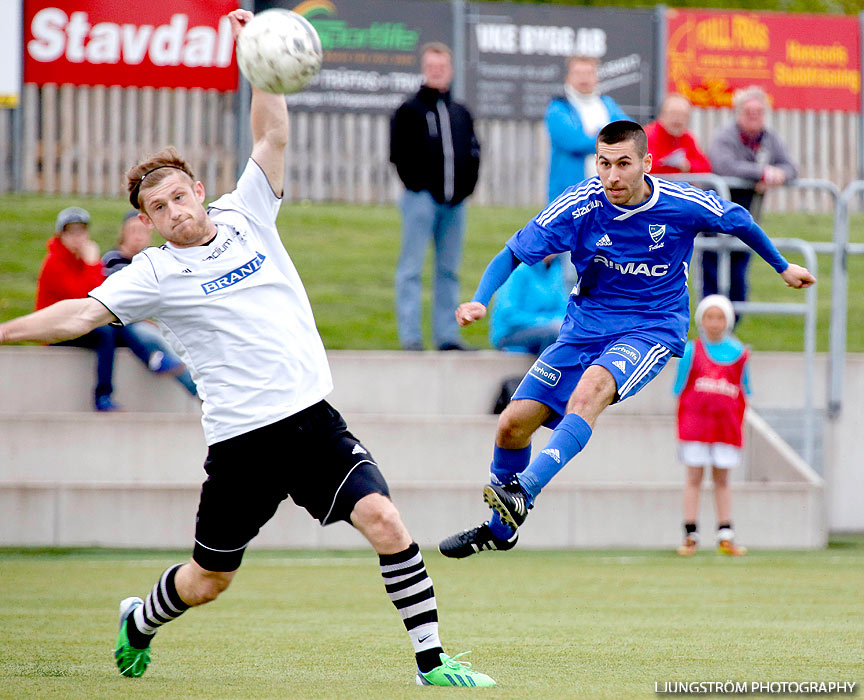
(711, 383)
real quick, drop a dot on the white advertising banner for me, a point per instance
(10, 53)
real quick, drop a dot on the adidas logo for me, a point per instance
(604, 242)
(187, 271)
(553, 453)
(358, 450)
(620, 365)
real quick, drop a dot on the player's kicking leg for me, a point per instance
(608, 378)
(511, 455)
(577, 392)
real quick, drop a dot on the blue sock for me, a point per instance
(568, 439)
(506, 464)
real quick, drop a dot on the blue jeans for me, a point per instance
(141, 338)
(102, 341)
(423, 219)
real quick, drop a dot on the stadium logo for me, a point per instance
(545, 373)
(80, 38)
(627, 351)
(235, 276)
(657, 231)
(581, 211)
(337, 34)
(632, 268)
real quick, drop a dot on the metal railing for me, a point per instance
(724, 245)
(839, 249)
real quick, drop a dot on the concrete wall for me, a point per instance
(72, 476)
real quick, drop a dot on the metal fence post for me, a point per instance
(839, 299)
(459, 47)
(242, 105)
(661, 32)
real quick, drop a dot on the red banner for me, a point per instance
(182, 43)
(801, 61)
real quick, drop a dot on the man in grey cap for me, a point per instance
(70, 270)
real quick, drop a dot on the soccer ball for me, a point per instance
(279, 51)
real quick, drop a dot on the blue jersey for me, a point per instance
(632, 262)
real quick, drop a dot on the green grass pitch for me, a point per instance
(346, 255)
(308, 625)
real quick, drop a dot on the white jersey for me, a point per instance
(235, 311)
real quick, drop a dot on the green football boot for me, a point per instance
(454, 673)
(131, 661)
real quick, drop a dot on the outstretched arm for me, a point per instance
(793, 275)
(495, 275)
(269, 119)
(67, 319)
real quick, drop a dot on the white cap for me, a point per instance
(720, 302)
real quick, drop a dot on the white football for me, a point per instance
(279, 51)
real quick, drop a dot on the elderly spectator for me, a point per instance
(670, 142)
(437, 157)
(573, 121)
(746, 149)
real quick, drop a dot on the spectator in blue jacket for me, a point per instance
(530, 307)
(573, 121)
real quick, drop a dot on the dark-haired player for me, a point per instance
(630, 237)
(226, 293)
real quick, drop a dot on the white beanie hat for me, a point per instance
(720, 302)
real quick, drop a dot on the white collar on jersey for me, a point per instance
(647, 204)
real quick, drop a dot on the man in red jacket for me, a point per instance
(671, 144)
(73, 266)
(70, 270)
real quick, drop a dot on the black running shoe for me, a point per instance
(510, 501)
(476, 539)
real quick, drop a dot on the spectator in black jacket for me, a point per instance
(437, 156)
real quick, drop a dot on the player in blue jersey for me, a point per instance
(630, 237)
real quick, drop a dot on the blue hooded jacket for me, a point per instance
(570, 143)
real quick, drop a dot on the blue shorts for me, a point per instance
(632, 359)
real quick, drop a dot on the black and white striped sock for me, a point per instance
(410, 590)
(161, 605)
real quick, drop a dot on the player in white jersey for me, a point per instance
(225, 292)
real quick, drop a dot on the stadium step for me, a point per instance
(426, 419)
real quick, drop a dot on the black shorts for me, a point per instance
(309, 456)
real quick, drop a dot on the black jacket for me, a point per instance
(420, 146)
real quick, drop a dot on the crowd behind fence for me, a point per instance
(80, 140)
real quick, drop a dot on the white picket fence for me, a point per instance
(823, 144)
(81, 140)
